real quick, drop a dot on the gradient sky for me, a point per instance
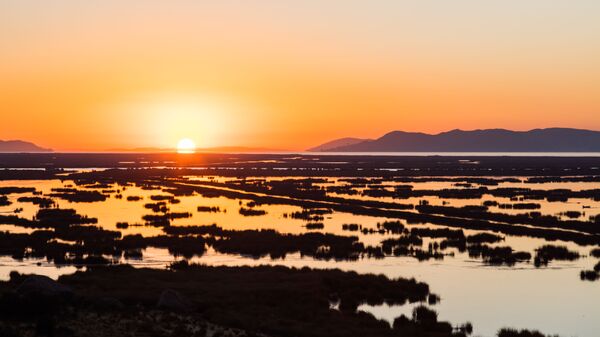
(97, 75)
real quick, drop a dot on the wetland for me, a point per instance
(373, 245)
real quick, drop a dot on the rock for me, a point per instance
(173, 300)
(43, 285)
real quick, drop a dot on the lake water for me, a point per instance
(551, 299)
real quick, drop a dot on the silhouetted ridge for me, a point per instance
(337, 143)
(490, 140)
(20, 146)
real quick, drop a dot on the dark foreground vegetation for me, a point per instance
(249, 301)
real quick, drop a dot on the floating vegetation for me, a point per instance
(157, 207)
(395, 227)
(212, 230)
(520, 206)
(75, 195)
(57, 218)
(497, 255)
(438, 233)
(351, 227)
(310, 214)
(122, 225)
(314, 225)
(162, 197)
(547, 253)
(484, 238)
(209, 209)
(589, 275)
(15, 190)
(160, 220)
(505, 332)
(251, 212)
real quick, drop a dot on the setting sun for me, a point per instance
(295, 168)
(186, 145)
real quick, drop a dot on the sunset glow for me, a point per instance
(305, 168)
(290, 75)
(186, 145)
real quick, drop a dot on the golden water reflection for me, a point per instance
(551, 299)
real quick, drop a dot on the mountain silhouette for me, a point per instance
(20, 146)
(348, 141)
(490, 140)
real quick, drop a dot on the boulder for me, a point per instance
(43, 285)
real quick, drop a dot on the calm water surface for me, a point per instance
(552, 299)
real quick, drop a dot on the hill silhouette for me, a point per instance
(489, 140)
(337, 143)
(20, 146)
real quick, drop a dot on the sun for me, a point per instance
(186, 145)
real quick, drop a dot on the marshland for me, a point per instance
(460, 246)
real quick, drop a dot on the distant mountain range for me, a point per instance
(334, 144)
(490, 140)
(20, 146)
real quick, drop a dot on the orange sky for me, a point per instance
(98, 75)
